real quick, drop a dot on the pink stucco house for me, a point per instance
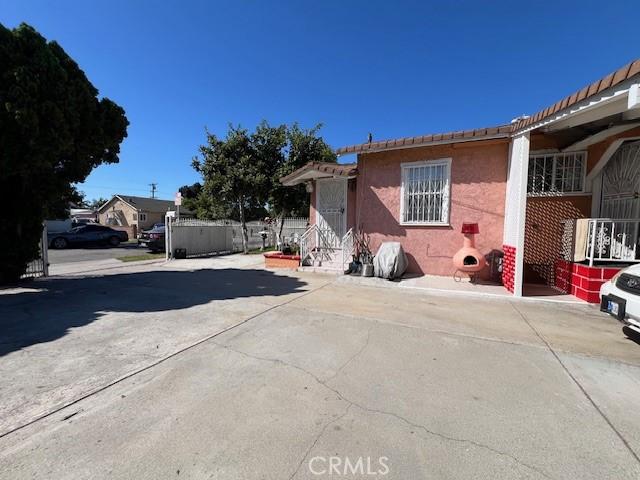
(555, 194)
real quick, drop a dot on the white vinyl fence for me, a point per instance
(197, 237)
(213, 237)
(292, 230)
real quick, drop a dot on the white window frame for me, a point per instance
(553, 192)
(446, 202)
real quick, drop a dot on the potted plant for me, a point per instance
(363, 253)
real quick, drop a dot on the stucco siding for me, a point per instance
(123, 211)
(478, 185)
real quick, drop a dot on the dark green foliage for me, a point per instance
(54, 130)
(303, 146)
(238, 170)
(242, 172)
(96, 203)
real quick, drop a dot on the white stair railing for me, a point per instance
(314, 245)
(348, 249)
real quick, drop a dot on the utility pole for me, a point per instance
(153, 189)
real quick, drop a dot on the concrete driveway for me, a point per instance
(234, 372)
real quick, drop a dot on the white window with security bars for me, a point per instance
(425, 192)
(556, 173)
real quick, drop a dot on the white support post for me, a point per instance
(167, 234)
(516, 205)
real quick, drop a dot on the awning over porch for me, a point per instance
(317, 170)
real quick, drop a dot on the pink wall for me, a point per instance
(478, 185)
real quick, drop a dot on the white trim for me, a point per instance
(600, 136)
(582, 193)
(608, 96)
(608, 153)
(633, 101)
(516, 204)
(446, 204)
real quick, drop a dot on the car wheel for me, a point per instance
(114, 241)
(59, 243)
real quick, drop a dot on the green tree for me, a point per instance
(303, 146)
(238, 169)
(54, 130)
(96, 203)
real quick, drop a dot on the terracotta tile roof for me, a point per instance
(501, 131)
(337, 169)
(596, 87)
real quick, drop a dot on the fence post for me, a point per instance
(167, 234)
(593, 242)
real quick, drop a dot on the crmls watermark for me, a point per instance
(340, 466)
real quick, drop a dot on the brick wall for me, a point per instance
(582, 281)
(509, 267)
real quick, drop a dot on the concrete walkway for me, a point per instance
(170, 371)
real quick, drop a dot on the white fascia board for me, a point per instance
(611, 95)
(633, 101)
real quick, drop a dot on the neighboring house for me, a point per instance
(526, 184)
(134, 214)
(86, 214)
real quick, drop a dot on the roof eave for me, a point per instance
(359, 149)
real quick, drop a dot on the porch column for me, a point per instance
(515, 214)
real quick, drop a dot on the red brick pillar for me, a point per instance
(509, 267)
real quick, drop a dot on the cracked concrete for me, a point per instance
(308, 368)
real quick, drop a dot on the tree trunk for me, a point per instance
(280, 239)
(243, 226)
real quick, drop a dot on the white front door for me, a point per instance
(331, 208)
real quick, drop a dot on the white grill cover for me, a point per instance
(390, 261)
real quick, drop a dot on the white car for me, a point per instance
(620, 297)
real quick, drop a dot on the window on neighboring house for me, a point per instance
(554, 173)
(425, 192)
(142, 217)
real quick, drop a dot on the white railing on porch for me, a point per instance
(348, 249)
(611, 240)
(313, 244)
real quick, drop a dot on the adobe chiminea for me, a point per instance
(469, 259)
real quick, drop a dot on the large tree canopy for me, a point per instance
(238, 169)
(303, 146)
(54, 130)
(242, 172)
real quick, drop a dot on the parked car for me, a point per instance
(620, 297)
(92, 234)
(153, 239)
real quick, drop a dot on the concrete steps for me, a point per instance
(330, 263)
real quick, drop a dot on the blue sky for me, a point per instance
(393, 68)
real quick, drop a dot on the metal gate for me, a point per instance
(331, 203)
(621, 184)
(40, 266)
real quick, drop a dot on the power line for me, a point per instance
(153, 189)
(120, 189)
